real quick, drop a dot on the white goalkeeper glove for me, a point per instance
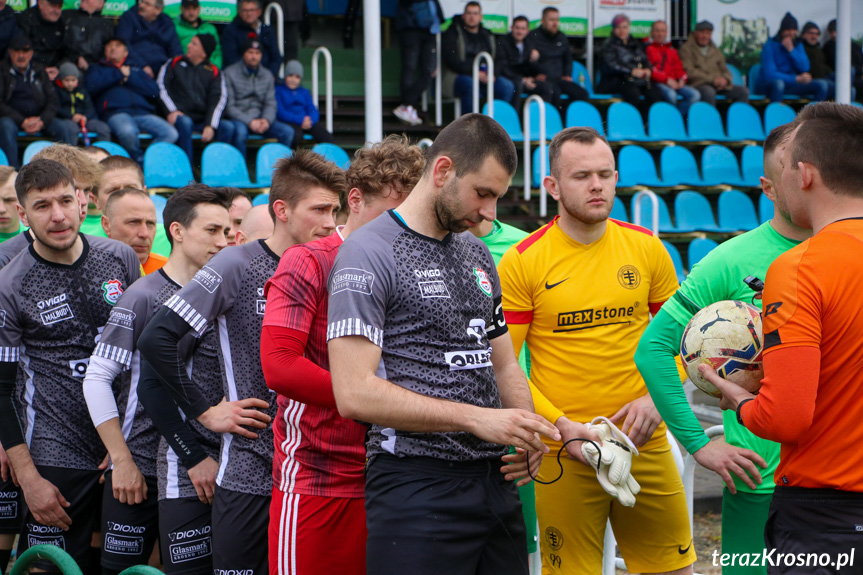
(614, 470)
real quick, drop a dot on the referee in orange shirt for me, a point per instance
(811, 399)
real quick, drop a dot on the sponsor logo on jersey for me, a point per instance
(112, 290)
(434, 289)
(58, 540)
(8, 494)
(426, 274)
(124, 544)
(353, 279)
(590, 318)
(233, 572)
(209, 278)
(476, 329)
(51, 301)
(36, 528)
(191, 550)
(472, 359)
(629, 277)
(79, 367)
(181, 535)
(57, 314)
(482, 281)
(9, 509)
(121, 528)
(122, 317)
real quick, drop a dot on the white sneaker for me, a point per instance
(415, 119)
(403, 113)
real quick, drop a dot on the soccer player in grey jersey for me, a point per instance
(55, 296)
(228, 292)
(419, 348)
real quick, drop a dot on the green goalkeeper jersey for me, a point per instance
(719, 276)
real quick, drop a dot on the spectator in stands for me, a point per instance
(76, 108)
(464, 39)
(8, 26)
(87, 32)
(130, 217)
(10, 223)
(240, 206)
(189, 24)
(252, 98)
(625, 68)
(516, 60)
(43, 25)
(293, 12)
(149, 34)
(296, 108)
(417, 22)
(126, 98)
(247, 24)
(193, 95)
(667, 69)
(819, 68)
(706, 69)
(856, 58)
(785, 66)
(555, 59)
(27, 101)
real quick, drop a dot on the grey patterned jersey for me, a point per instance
(430, 306)
(14, 246)
(51, 316)
(229, 291)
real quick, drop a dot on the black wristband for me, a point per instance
(739, 405)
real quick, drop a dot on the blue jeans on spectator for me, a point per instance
(818, 90)
(127, 127)
(463, 88)
(688, 96)
(185, 126)
(56, 130)
(278, 130)
(102, 130)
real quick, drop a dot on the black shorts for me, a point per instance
(184, 536)
(82, 490)
(129, 532)
(11, 507)
(240, 532)
(429, 516)
(814, 532)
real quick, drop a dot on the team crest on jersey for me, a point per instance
(112, 290)
(482, 281)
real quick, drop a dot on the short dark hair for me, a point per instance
(41, 175)
(112, 163)
(234, 193)
(549, 9)
(391, 162)
(182, 205)
(122, 193)
(521, 19)
(294, 175)
(468, 141)
(256, 2)
(776, 136)
(577, 134)
(830, 137)
(472, 3)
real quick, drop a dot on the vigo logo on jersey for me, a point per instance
(209, 278)
(589, 318)
(51, 301)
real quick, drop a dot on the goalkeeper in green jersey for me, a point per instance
(745, 462)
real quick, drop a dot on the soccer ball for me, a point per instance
(727, 336)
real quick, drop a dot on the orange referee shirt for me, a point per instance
(811, 400)
(153, 263)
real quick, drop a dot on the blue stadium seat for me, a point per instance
(679, 168)
(625, 123)
(223, 165)
(34, 148)
(261, 200)
(4, 161)
(752, 165)
(698, 248)
(744, 123)
(703, 123)
(553, 123)
(536, 177)
(333, 153)
(737, 80)
(678, 262)
(507, 117)
(692, 211)
(159, 202)
(584, 114)
(777, 114)
(765, 208)
(113, 149)
(665, 225)
(736, 211)
(636, 168)
(268, 154)
(752, 79)
(579, 71)
(618, 210)
(166, 166)
(719, 166)
(665, 122)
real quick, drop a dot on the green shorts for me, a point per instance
(743, 518)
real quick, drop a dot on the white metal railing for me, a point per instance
(280, 29)
(636, 210)
(543, 154)
(328, 85)
(438, 85)
(489, 61)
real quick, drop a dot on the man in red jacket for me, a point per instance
(668, 72)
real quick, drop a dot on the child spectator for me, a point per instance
(295, 107)
(75, 103)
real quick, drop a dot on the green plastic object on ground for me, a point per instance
(141, 570)
(50, 553)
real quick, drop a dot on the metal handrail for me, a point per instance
(543, 157)
(280, 30)
(438, 85)
(636, 209)
(328, 59)
(490, 87)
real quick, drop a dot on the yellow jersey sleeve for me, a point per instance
(664, 278)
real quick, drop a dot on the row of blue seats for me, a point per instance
(695, 251)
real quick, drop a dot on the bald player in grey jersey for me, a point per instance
(228, 292)
(55, 296)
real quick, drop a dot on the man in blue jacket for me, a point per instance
(149, 34)
(247, 25)
(126, 97)
(785, 67)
